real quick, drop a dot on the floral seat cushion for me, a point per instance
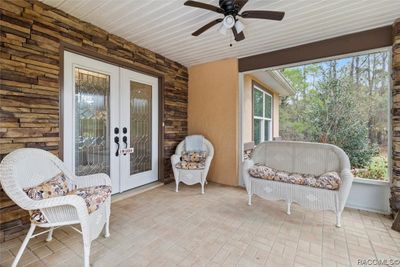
(185, 165)
(194, 156)
(192, 160)
(58, 186)
(329, 180)
(94, 196)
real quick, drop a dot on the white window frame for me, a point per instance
(263, 118)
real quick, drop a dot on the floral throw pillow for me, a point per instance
(55, 187)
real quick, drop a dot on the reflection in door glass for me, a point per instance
(92, 140)
(140, 136)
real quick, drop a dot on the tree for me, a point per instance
(334, 113)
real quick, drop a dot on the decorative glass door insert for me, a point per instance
(140, 124)
(92, 138)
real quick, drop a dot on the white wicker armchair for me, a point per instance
(306, 158)
(191, 177)
(28, 167)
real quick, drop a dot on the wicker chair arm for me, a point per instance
(175, 159)
(247, 164)
(344, 191)
(208, 160)
(70, 200)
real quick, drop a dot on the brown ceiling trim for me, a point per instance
(351, 43)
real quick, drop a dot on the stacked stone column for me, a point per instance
(395, 182)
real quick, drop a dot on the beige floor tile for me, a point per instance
(164, 228)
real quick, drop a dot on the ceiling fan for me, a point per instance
(230, 9)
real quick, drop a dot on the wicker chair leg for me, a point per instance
(107, 224)
(86, 255)
(107, 228)
(176, 186)
(338, 219)
(202, 188)
(288, 208)
(249, 202)
(24, 244)
(50, 235)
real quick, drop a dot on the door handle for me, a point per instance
(116, 140)
(125, 140)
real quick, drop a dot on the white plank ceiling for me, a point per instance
(165, 26)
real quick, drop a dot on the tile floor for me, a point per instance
(164, 228)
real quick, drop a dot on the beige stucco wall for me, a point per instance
(213, 112)
(247, 131)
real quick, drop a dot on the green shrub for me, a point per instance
(377, 168)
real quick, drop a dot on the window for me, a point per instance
(345, 102)
(262, 115)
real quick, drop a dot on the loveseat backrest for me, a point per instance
(301, 157)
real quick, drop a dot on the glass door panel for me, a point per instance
(140, 126)
(92, 139)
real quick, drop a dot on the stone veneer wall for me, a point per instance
(395, 186)
(30, 34)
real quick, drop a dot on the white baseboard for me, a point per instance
(135, 191)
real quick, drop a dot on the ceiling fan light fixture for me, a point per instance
(239, 26)
(231, 9)
(222, 29)
(229, 22)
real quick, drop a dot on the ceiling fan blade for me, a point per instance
(204, 6)
(239, 4)
(206, 27)
(259, 14)
(238, 36)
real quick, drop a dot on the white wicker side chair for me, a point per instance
(194, 176)
(29, 167)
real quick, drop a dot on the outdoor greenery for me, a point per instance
(343, 102)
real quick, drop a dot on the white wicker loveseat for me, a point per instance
(28, 167)
(303, 158)
(191, 177)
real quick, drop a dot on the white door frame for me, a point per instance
(72, 60)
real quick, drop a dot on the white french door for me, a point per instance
(110, 122)
(139, 122)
